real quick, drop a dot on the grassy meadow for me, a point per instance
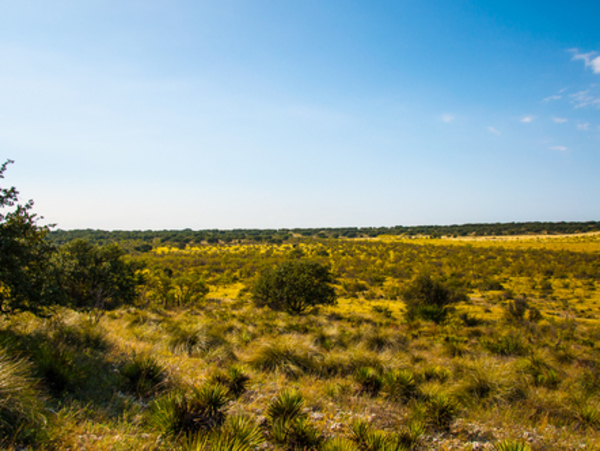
(514, 367)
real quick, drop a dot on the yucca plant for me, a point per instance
(508, 445)
(436, 373)
(588, 415)
(20, 402)
(400, 385)
(409, 435)
(297, 434)
(86, 333)
(184, 413)
(193, 339)
(339, 444)
(441, 410)
(144, 375)
(369, 381)
(288, 355)
(56, 367)
(239, 433)
(286, 406)
(368, 439)
(235, 379)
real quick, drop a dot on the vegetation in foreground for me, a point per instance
(432, 344)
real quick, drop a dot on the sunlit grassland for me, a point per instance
(481, 376)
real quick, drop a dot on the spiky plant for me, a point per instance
(183, 413)
(239, 433)
(339, 444)
(400, 385)
(369, 381)
(235, 379)
(286, 406)
(509, 445)
(144, 375)
(588, 415)
(368, 439)
(441, 410)
(193, 339)
(410, 434)
(436, 373)
(296, 434)
(56, 367)
(287, 354)
(20, 403)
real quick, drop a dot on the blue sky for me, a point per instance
(172, 114)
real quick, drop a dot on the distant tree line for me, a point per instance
(144, 240)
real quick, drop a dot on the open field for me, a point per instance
(518, 361)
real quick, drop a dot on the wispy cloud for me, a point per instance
(585, 126)
(559, 120)
(585, 98)
(494, 131)
(554, 97)
(589, 59)
(447, 118)
(559, 148)
(528, 119)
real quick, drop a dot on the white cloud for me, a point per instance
(527, 119)
(554, 97)
(447, 118)
(583, 126)
(559, 148)
(586, 98)
(494, 131)
(559, 120)
(589, 59)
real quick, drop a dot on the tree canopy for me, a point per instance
(295, 286)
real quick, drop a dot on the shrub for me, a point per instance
(294, 287)
(429, 298)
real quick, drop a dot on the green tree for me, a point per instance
(24, 254)
(430, 298)
(295, 286)
(100, 277)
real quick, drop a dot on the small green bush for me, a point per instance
(294, 286)
(429, 298)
